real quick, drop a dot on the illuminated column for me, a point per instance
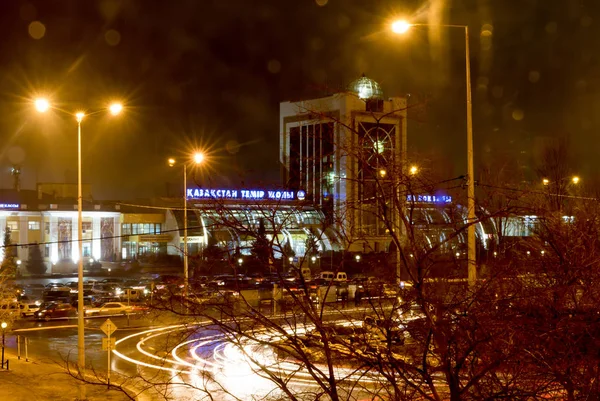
(53, 238)
(118, 240)
(96, 240)
(23, 253)
(2, 230)
(74, 239)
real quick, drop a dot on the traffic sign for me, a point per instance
(108, 327)
(109, 344)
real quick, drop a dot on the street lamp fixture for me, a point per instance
(240, 261)
(413, 170)
(115, 108)
(545, 181)
(357, 257)
(41, 104)
(314, 259)
(575, 180)
(400, 26)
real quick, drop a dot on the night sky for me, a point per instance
(211, 73)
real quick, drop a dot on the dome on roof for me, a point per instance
(366, 88)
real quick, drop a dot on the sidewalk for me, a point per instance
(44, 380)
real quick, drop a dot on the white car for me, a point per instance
(28, 308)
(110, 308)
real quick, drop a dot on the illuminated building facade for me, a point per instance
(337, 148)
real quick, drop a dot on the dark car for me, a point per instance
(55, 311)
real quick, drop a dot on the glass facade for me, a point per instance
(140, 228)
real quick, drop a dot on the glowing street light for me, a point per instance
(575, 180)
(41, 104)
(400, 26)
(198, 157)
(115, 108)
(413, 170)
(545, 181)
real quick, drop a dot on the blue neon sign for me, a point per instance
(243, 194)
(429, 198)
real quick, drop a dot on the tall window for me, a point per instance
(375, 190)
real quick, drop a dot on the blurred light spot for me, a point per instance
(316, 43)
(27, 12)
(482, 83)
(581, 84)
(112, 37)
(586, 21)
(321, 2)
(534, 76)
(551, 27)
(109, 8)
(232, 146)
(497, 91)
(487, 28)
(274, 66)
(518, 114)
(486, 33)
(343, 21)
(37, 30)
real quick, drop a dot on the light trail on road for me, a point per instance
(240, 365)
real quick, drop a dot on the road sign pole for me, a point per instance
(108, 327)
(108, 367)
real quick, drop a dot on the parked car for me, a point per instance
(110, 308)
(55, 311)
(27, 308)
(332, 276)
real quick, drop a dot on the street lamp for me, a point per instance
(575, 180)
(42, 105)
(413, 170)
(357, 257)
(402, 27)
(3, 325)
(198, 158)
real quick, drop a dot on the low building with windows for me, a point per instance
(35, 218)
